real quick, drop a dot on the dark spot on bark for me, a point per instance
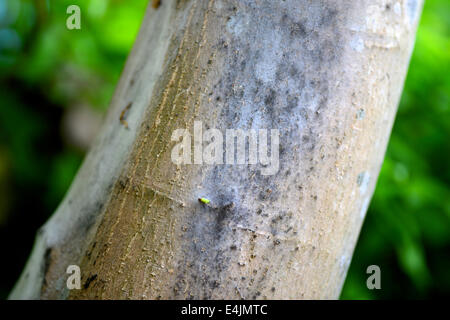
(292, 102)
(293, 71)
(89, 280)
(46, 265)
(214, 284)
(223, 44)
(123, 183)
(110, 186)
(270, 98)
(222, 213)
(298, 30)
(243, 64)
(156, 4)
(265, 195)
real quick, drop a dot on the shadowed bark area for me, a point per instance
(327, 74)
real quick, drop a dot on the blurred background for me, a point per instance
(55, 86)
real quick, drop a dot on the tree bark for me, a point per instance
(327, 74)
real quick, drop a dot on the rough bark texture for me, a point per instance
(327, 74)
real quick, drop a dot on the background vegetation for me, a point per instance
(55, 84)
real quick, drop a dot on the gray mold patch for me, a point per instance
(283, 53)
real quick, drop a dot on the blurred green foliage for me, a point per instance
(46, 69)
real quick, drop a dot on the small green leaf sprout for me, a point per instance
(204, 200)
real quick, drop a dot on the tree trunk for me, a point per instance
(327, 74)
